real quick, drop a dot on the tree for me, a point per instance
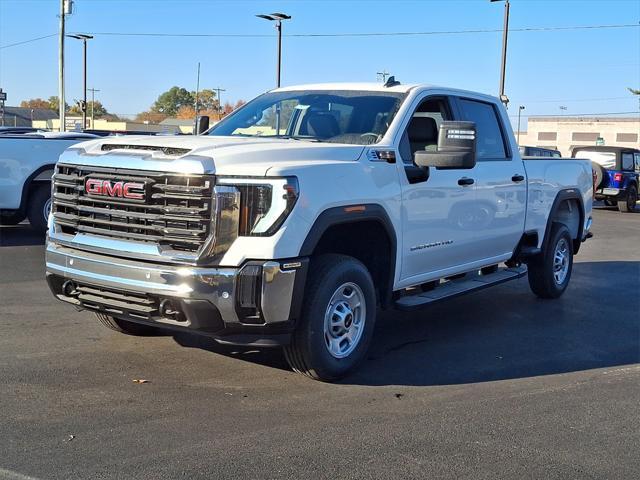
(634, 91)
(35, 103)
(150, 117)
(187, 112)
(207, 100)
(169, 102)
(98, 112)
(54, 104)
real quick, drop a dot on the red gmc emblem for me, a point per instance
(107, 188)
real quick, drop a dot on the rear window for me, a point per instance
(606, 159)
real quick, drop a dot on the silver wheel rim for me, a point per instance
(46, 210)
(561, 261)
(344, 320)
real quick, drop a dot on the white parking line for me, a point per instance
(11, 475)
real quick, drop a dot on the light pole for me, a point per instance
(278, 18)
(84, 38)
(505, 35)
(520, 109)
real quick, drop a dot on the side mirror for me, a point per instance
(202, 124)
(456, 147)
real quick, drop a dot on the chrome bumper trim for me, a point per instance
(216, 285)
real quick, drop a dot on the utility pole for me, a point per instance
(503, 63)
(384, 74)
(197, 90)
(218, 90)
(93, 103)
(520, 109)
(61, 66)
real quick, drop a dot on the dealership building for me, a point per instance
(566, 133)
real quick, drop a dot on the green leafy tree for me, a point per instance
(634, 91)
(169, 102)
(54, 104)
(207, 100)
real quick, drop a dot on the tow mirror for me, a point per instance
(202, 124)
(456, 147)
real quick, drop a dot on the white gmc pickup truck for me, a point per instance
(291, 221)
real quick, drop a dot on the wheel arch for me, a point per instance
(39, 177)
(567, 208)
(343, 230)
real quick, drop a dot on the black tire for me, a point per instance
(12, 219)
(629, 203)
(542, 279)
(308, 353)
(40, 196)
(128, 328)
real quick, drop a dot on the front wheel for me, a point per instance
(629, 203)
(39, 208)
(550, 271)
(336, 326)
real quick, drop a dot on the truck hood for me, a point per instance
(207, 154)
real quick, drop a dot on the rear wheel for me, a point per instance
(629, 203)
(39, 207)
(336, 326)
(123, 326)
(550, 271)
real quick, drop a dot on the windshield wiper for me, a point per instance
(299, 138)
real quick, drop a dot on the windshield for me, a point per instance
(354, 117)
(606, 159)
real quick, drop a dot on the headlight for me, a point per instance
(265, 203)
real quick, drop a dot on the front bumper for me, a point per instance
(256, 304)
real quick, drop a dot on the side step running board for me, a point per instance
(472, 282)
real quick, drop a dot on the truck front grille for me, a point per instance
(175, 212)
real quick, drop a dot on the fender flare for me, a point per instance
(349, 214)
(561, 196)
(26, 186)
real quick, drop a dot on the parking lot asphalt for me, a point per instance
(497, 384)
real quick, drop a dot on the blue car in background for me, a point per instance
(616, 171)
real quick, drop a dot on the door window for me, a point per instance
(423, 128)
(636, 156)
(490, 143)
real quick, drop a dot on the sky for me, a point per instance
(584, 70)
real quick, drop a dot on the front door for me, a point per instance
(438, 206)
(501, 186)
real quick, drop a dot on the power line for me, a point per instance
(343, 34)
(364, 34)
(628, 97)
(28, 41)
(578, 114)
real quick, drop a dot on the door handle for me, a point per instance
(517, 178)
(466, 181)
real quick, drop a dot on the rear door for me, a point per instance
(501, 187)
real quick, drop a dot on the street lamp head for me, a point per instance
(80, 36)
(275, 17)
(521, 107)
